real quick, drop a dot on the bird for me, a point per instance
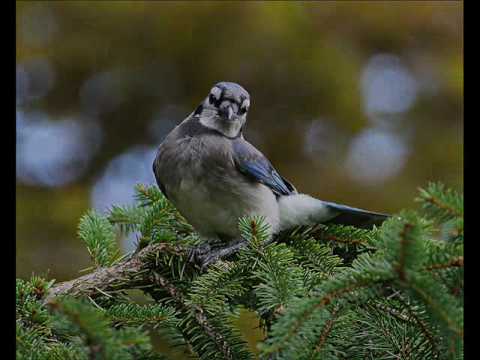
(214, 176)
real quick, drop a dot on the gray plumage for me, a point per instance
(214, 176)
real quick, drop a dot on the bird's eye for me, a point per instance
(244, 107)
(215, 96)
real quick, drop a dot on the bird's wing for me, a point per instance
(155, 172)
(254, 165)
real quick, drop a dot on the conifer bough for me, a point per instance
(319, 292)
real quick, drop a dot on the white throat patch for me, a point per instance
(230, 129)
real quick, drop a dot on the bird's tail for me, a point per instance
(301, 209)
(359, 218)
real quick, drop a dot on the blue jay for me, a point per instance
(214, 176)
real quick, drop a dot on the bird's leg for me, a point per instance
(197, 253)
(207, 254)
(222, 252)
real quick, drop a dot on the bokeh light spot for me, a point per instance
(375, 156)
(387, 85)
(54, 153)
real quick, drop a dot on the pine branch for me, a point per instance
(455, 262)
(421, 324)
(127, 218)
(140, 315)
(325, 332)
(99, 236)
(441, 202)
(321, 292)
(359, 282)
(130, 273)
(222, 345)
(133, 272)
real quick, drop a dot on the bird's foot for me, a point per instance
(218, 252)
(206, 254)
(198, 253)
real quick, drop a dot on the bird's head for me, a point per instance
(225, 109)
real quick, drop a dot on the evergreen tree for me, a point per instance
(320, 292)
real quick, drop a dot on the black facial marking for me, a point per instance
(216, 102)
(211, 98)
(198, 110)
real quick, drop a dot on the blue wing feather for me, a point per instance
(253, 164)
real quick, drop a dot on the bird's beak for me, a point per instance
(229, 113)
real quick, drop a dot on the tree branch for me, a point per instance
(130, 273)
(135, 271)
(199, 314)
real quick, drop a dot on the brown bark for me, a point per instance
(135, 271)
(130, 273)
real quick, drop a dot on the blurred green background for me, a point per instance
(354, 102)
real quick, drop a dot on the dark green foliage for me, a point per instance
(320, 292)
(445, 207)
(127, 218)
(161, 222)
(99, 236)
(70, 328)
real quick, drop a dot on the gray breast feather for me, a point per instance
(199, 176)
